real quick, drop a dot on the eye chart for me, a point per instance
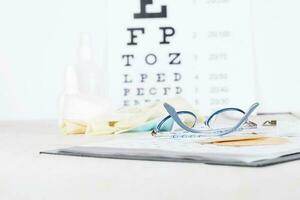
(199, 49)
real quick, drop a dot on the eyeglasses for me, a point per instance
(236, 120)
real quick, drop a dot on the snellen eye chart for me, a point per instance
(199, 49)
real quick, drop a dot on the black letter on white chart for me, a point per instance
(174, 60)
(144, 14)
(133, 36)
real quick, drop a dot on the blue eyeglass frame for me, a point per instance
(213, 132)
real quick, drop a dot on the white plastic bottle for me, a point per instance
(92, 77)
(84, 95)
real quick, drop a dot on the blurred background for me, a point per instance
(39, 38)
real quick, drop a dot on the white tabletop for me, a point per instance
(25, 174)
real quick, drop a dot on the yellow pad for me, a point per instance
(248, 140)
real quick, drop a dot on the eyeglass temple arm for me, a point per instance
(157, 129)
(172, 112)
(246, 116)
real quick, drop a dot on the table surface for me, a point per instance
(26, 174)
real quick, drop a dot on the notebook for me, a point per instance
(143, 146)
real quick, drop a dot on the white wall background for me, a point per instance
(277, 51)
(38, 38)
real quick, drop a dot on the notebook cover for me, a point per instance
(99, 152)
